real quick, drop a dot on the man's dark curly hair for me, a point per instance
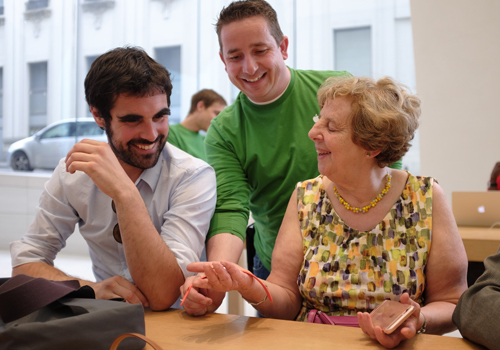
(124, 70)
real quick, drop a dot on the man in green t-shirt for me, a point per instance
(258, 146)
(206, 104)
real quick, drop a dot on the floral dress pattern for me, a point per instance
(346, 270)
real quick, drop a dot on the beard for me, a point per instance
(127, 154)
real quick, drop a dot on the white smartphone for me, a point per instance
(390, 315)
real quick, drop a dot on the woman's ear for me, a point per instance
(372, 154)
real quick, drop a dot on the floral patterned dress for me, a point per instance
(346, 270)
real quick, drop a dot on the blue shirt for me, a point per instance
(179, 193)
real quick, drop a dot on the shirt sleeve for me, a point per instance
(479, 307)
(397, 165)
(231, 211)
(186, 222)
(172, 137)
(54, 222)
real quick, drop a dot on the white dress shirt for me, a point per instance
(179, 193)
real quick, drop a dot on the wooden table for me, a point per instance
(175, 329)
(479, 242)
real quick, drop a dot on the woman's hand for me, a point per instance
(406, 331)
(221, 276)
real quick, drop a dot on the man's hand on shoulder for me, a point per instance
(119, 287)
(98, 161)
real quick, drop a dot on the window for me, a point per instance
(38, 96)
(89, 60)
(1, 92)
(61, 130)
(88, 129)
(170, 58)
(1, 8)
(353, 51)
(36, 4)
(1, 111)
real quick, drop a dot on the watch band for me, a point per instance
(424, 326)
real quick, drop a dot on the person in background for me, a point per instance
(206, 104)
(360, 232)
(142, 205)
(478, 309)
(258, 146)
(494, 178)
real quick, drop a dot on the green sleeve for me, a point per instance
(397, 165)
(231, 211)
(172, 136)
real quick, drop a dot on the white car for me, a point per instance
(46, 148)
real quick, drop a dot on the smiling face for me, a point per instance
(138, 130)
(254, 62)
(332, 137)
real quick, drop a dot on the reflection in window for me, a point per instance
(36, 4)
(170, 58)
(353, 51)
(38, 96)
(1, 8)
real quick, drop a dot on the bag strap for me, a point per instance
(149, 341)
(311, 315)
(326, 319)
(21, 295)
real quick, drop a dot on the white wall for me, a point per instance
(457, 61)
(19, 196)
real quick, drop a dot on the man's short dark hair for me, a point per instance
(124, 70)
(208, 96)
(239, 10)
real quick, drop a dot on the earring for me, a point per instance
(368, 155)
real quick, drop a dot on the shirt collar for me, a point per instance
(152, 175)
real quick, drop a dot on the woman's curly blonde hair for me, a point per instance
(384, 114)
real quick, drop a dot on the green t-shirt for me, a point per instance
(189, 141)
(259, 153)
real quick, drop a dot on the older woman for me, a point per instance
(361, 232)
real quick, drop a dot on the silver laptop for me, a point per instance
(476, 208)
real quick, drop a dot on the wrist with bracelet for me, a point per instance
(268, 294)
(424, 326)
(265, 297)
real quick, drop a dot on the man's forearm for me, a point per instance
(152, 264)
(224, 246)
(43, 270)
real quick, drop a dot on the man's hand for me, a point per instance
(119, 287)
(97, 160)
(200, 300)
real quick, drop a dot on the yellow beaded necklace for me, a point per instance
(372, 204)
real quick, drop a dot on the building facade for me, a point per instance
(47, 47)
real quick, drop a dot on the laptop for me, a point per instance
(476, 208)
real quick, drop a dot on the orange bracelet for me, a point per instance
(245, 271)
